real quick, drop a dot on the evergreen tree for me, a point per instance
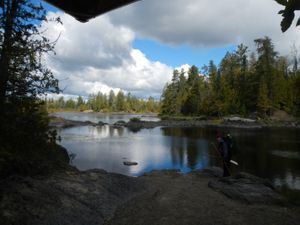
(80, 102)
(263, 103)
(265, 68)
(70, 104)
(111, 100)
(239, 86)
(120, 101)
(151, 104)
(23, 77)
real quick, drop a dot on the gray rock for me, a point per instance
(248, 188)
(100, 123)
(214, 171)
(128, 163)
(66, 198)
(239, 119)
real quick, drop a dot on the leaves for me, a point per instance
(288, 17)
(288, 13)
(282, 2)
(237, 86)
(298, 22)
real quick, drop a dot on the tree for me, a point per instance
(266, 66)
(111, 100)
(23, 77)
(263, 83)
(170, 103)
(22, 73)
(120, 102)
(80, 102)
(288, 13)
(150, 104)
(70, 104)
(61, 103)
(263, 103)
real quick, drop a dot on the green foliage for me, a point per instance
(103, 103)
(241, 85)
(135, 119)
(27, 144)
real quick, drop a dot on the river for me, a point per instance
(270, 153)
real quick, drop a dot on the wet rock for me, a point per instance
(248, 189)
(120, 123)
(58, 122)
(128, 163)
(100, 123)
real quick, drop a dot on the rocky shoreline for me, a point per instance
(96, 197)
(136, 125)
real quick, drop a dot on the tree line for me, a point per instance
(100, 102)
(242, 84)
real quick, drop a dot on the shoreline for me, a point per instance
(159, 197)
(59, 122)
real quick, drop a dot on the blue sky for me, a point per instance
(137, 47)
(176, 56)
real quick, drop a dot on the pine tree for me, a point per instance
(111, 100)
(265, 67)
(263, 103)
(23, 77)
(120, 101)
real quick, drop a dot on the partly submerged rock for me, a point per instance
(237, 119)
(58, 122)
(88, 111)
(128, 163)
(248, 188)
(101, 123)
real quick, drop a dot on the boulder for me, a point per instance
(237, 119)
(128, 163)
(248, 189)
(100, 123)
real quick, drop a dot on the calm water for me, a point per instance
(268, 153)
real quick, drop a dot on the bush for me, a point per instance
(28, 146)
(135, 119)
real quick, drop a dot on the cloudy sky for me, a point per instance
(136, 48)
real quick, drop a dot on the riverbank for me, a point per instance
(159, 197)
(139, 123)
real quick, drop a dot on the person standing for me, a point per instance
(224, 151)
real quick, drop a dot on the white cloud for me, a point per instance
(184, 67)
(207, 23)
(98, 56)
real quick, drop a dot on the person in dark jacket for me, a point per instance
(224, 151)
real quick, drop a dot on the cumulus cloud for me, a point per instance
(207, 23)
(98, 56)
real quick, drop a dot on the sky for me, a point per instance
(136, 48)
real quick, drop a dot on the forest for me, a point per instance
(244, 83)
(100, 102)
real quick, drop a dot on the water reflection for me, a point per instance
(107, 147)
(268, 153)
(182, 148)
